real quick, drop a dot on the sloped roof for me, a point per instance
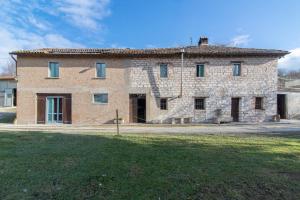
(7, 78)
(203, 50)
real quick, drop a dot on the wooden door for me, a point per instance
(41, 109)
(235, 109)
(133, 108)
(281, 106)
(137, 108)
(67, 109)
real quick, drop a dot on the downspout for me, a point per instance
(181, 73)
(16, 64)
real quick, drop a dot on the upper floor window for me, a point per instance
(200, 70)
(163, 70)
(199, 103)
(101, 98)
(258, 103)
(236, 69)
(100, 70)
(53, 69)
(164, 104)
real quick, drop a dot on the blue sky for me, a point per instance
(27, 24)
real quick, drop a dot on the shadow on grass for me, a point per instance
(66, 166)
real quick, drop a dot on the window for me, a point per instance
(100, 70)
(101, 98)
(258, 103)
(236, 69)
(163, 71)
(199, 103)
(163, 104)
(54, 69)
(200, 70)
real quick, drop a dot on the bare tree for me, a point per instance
(281, 72)
(9, 69)
(293, 74)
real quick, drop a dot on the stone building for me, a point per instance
(191, 84)
(288, 98)
(8, 91)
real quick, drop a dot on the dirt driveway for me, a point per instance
(283, 127)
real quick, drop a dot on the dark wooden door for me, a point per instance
(41, 109)
(67, 109)
(141, 111)
(281, 107)
(235, 109)
(133, 108)
(137, 108)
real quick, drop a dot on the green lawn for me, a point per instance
(86, 166)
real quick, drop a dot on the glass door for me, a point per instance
(54, 110)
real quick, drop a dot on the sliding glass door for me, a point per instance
(54, 110)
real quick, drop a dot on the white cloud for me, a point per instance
(84, 13)
(290, 61)
(40, 24)
(22, 25)
(240, 40)
(12, 38)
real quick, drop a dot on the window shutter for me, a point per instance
(67, 109)
(201, 70)
(41, 109)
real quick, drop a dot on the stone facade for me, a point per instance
(258, 79)
(141, 76)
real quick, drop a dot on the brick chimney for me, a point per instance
(203, 41)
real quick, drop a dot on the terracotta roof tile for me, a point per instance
(205, 50)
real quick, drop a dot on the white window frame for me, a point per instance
(49, 71)
(233, 65)
(167, 65)
(47, 107)
(100, 103)
(197, 65)
(96, 74)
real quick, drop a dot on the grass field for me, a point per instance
(85, 166)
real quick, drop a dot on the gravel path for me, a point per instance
(284, 127)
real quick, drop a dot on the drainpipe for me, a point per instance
(15, 62)
(181, 73)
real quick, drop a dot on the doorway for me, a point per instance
(14, 97)
(54, 110)
(235, 109)
(281, 105)
(137, 108)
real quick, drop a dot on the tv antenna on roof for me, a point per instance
(191, 40)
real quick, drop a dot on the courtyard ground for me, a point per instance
(91, 165)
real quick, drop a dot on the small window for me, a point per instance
(258, 103)
(200, 70)
(236, 69)
(163, 104)
(100, 70)
(163, 71)
(54, 69)
(199, 103)
(101, 98)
